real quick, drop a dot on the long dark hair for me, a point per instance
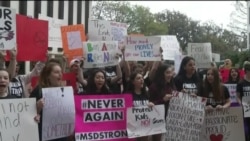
(216, 87)
(131, 88)
(91, 86)
(230, 78)
(159, 79)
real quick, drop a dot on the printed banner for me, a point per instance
(69, 79)
(202, 53)
(58, 113)
(170, 46)
(185, 118)
(7, 28)
(139, 48)
(17, 120)
(101, 30)
(145, 121)
(72, 38)
(224, 125)
(232, 91)
(32, 39)
(246, 105)
(100, 54)
(101, 117)
(55, 39)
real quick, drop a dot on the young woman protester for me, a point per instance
(234, 76)
(4, 84)
(161, 90)
(51, 76)
(140, 95)
(216, 93)
(243, 90)
(187, 79)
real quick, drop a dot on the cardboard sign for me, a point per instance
(170, 46)
(232, 91)
(144, 121)
(32, 39)
(72, 37)
(55, 39)
(68, 78)
(246, 105)
(7, 28)
(185, 118)
(101, 117)
(101, 30)
(17, 120)
(58, 113)
(202, 53)
(224, 125)
(100, 54)
(139, 48)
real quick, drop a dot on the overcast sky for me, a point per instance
(218, 11)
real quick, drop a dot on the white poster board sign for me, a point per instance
(144, 121)
(185, 118)
(101, 30)
(7, 28)
(142, 48)
(100, 54)
(58, 113)
(17, 120)
(232, 91)
(55, 39)
(246, 105)
(170, 46)
(202, 53)
(177, 61)
(224, 125)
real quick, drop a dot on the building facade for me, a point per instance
(73, 12)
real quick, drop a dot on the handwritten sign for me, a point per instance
(72, 38)
(58, 113)
(101, 30)
(55, 39)
(101, 117)
(32, 39)
(17, 120)
(232, 91)
(170, 46)
(202, 53)
(246, 105)
(7, 28)
(185, 118)
(140, 48)
(224, 125)
(100, 54)
(144, 121)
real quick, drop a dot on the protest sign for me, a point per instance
(145, 121)
(100, 54)
(202, 53)
(232, 91)
(69, 79)
(72, 38)
(224, 125)
(55, 39)
(101, 117)
(101, 30)
(32, 39)
(142, 48)
(246, 105)
(17, 120)
(177, 61)
(185, 118)
(170, 46)
(7, 28)
(58, 113)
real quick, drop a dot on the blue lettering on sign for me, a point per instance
(90, 59)
(146, 54)
(117, 33)
(106, 56)
(144, 47)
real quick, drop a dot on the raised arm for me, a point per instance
(124, 64)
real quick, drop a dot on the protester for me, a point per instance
(234, 76)
(4, 84)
